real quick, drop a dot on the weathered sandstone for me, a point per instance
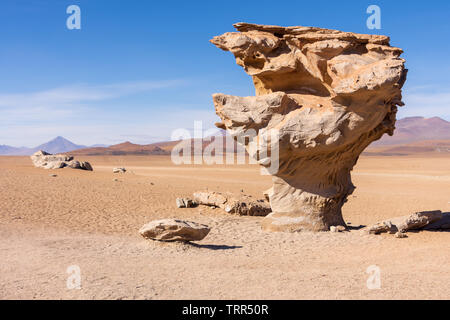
(415, 221)
(174, 230)
(238, 204)
(327, 94)
(443, 223)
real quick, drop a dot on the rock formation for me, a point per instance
(327, 94)
(42, 159)
(242, 205)
(174, 230)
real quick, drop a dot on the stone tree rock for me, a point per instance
(327, 94)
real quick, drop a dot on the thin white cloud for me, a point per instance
(426, 104)
(76, 94)
(142, 127)
(30, 118)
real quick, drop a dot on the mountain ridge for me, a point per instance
(412, 129)
(408, 131)
(56, 145)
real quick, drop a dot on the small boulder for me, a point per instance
(174, 230)
(119, 170)
(84, 165)
(401, 235)
(185, 203)
(74, 164)
(338, 228)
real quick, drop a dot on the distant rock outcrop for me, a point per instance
(328, 94)
(42, 159)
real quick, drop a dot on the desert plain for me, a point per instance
(91, 220)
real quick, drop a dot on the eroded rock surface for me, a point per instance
(242, 204)
(419, 220)
(441, 224)
(42, 159)
(174, 230)
(327, 94)
(185, 203)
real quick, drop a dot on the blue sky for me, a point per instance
(138, 69)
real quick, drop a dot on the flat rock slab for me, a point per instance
(242, 205)
(174, 230)
(414, 221)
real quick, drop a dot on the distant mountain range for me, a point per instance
(57, 145)
(412, 135)
(127, 148)
(413, 129)
(412, 148)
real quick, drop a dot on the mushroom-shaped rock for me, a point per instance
(174, 230)
(322, 96)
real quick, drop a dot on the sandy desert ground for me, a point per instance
(86, 219)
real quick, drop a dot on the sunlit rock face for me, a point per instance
(328, 94)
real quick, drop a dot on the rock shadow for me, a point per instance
(213, 246)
